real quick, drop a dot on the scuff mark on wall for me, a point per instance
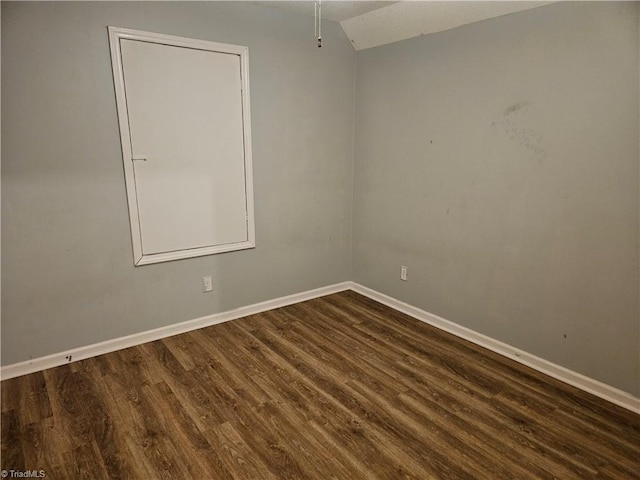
(516, 107)
(514, 125)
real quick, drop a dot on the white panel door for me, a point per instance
(185, 116)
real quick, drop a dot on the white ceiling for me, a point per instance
(335, 10)
(370, 24)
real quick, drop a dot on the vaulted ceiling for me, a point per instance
(370, 24)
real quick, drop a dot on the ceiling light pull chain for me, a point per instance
(318, 21)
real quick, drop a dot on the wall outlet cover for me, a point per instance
(207, 284)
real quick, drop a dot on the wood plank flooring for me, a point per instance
(339, 387)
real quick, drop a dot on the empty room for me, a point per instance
(320, 240)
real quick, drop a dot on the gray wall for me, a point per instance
(67, 268)
(499, 162)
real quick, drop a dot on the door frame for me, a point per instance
(116, 34)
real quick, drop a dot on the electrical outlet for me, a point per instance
(403, 273)
(207, 284)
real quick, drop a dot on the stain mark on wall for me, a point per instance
(516, 107)
(514, 125)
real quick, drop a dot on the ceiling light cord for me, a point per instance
(318, 21)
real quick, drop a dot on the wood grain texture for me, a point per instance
(338, 387)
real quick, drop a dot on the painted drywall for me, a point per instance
(67, 267)
(499, 162)
(408, 19)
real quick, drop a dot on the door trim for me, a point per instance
(116, 34)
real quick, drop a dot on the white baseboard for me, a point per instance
(563, 374)
(578, 380)
(81, 353)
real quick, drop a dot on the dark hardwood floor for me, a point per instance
(338, 387)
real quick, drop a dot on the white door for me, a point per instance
(186, 126)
